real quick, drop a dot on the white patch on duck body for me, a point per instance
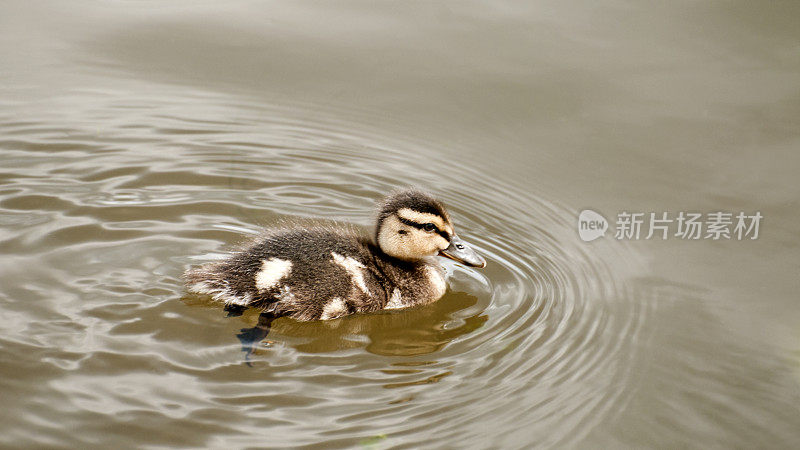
(333, 309)
(272, 271)
(285, 294)
(354, 268)
(395, 301)
(438, 284)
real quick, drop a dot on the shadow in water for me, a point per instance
(410, 332)
(251, 338)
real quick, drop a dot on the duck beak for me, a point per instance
(463, 253)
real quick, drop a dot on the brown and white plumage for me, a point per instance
(325, 272)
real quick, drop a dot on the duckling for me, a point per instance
(325, 272)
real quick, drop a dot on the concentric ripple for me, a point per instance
(108, 199)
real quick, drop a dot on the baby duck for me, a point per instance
(326, 272)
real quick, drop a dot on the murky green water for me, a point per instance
(139, 138)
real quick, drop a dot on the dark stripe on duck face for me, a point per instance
(421, 226)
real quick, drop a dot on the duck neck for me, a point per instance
(394, 268)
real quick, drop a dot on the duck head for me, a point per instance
(413, 225)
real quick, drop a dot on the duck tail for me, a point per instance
(205, 280)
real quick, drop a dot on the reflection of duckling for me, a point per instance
(418, 331)
(325, 272)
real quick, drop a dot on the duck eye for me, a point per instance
(429, 227)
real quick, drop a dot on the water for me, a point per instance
(137, 139)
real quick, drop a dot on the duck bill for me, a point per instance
(461, 251)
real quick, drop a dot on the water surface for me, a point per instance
(137, 139)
